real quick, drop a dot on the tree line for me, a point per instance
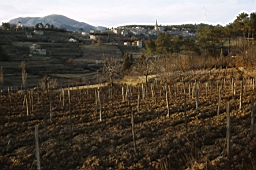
(50, 27)
(210, 39)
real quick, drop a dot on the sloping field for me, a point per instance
(97, 52)
(192, 136)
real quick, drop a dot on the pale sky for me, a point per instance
(112, 13)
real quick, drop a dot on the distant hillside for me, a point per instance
(56, 20)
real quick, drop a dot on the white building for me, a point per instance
(93, 37)
(19, 25)
(127, 44)
(124, 32)
(84, 33)
(72, 40)
(38, 32)
(117, 31)
(139, 44)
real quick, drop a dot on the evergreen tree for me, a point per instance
(150, 46)
(163, 43)
(127, 63)
(176, 43)
(6, 25)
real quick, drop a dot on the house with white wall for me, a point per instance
(38, 32)
(93, 37)
(19, 25)
(72, 40)
(124, 32)
(127, 44)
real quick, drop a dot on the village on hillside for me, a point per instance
(122, 35)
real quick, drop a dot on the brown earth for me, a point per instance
(161, 142)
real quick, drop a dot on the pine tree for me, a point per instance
(127, 63)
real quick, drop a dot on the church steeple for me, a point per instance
(156, 26)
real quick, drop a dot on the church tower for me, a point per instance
(156, 26)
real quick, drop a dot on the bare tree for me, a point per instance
(146, 66)
(23, 73)
(112, 68)
(46, 83)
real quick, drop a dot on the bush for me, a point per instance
(3, 55)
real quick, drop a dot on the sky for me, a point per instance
(113, 13)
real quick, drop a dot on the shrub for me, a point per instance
(3, 55)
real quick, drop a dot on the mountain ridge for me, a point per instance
(57, 20)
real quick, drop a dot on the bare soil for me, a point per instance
(82, 141)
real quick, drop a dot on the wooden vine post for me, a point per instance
(241, 95)
(143, 92)
(70, 116)
(232, 88)
(32, 101)
(234, 92)
(63, 98)
(60, 97)
(189, 92)
(253, 84)
(50, 108)
(196, 98)
(228, 134)
(240, 101)
(206, 89)
(219, 100)
(96, 101)
(193, 91)
(123, 93)
(9, 93)
(37, 148)
(45, 118)
(185, 112)
(132, 120)
(138, 107)
(133, 132)
(99, 101)
(27, 107)
(252, 116)
(167, 100)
